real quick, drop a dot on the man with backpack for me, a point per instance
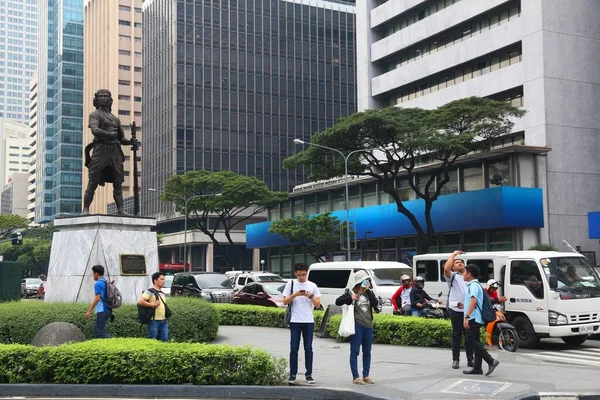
(475, 309)
(154, 298)
(99, 304)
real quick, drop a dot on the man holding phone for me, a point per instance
(453, 271)
(302, 296)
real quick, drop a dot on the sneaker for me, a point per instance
(292, 379)
(309, 379)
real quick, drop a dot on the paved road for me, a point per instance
(556, 351)
(425, 373)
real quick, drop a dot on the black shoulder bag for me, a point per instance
(287, 318)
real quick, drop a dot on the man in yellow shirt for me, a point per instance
(158, 327)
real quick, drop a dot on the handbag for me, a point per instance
(347, 325)
(287, 317)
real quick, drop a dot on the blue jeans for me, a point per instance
(99, 329)
(306, 330)
(158, 330)
(419, 312)
(362, 336)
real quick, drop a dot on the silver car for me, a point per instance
(30, 286)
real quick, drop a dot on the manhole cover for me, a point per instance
(474, 387)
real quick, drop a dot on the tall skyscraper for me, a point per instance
(60, 107)
(18, 56)
(113, 61)
(541, 55)
(229, 85)
(243, 80)
(33, 118)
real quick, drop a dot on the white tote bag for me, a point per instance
(347, 324)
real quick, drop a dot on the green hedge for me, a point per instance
(238, 314)
(404, 331)
(193, 320)
(140, 361)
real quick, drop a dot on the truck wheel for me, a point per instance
(527, 337)
(574, 340)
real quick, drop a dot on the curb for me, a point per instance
(562, 396)
(181, 391)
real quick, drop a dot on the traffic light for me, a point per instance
(17, 239)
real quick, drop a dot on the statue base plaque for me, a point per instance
(125, 246)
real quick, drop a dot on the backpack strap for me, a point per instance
(451, 283)
(155, 293)
(291, 293)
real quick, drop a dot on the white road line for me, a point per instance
(566, 359)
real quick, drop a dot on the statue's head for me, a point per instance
(103, 99)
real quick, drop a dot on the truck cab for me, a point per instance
(549, 294)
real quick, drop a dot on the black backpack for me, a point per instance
(146, 314)
(488, 313)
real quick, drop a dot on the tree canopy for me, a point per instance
(400, 140)
(228, 197)
(316, 234)
(10, 223)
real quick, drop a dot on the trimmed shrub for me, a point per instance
(404, 331)
(140, 361)
(239, 314)
(193, 320)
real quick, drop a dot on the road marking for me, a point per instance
(472, 386)
(575, 357)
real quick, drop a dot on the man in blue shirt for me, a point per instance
(473, 321)
(103, 313)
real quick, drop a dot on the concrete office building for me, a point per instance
(113, 61)
(14, 195)
(18, 56)
(33, 117)
(14, 154)
(542, 55)
(228, 86)
(60, 103)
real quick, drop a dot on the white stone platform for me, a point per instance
(82, 242)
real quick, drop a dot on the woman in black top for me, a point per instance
(365, 303)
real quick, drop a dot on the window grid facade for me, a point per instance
(250, 76)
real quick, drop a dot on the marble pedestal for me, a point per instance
(82, 242)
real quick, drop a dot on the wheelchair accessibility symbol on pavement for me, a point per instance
(471, 386)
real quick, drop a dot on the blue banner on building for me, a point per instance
(501, 207)
(594, 224)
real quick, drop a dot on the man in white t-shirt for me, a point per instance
(302, 296)
(453, 271)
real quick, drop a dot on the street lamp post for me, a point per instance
(346, 157)
(185, 219)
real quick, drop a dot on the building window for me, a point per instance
(138, 54)
(137, 69)
(472, 178)
(137, 98)
(124, 97)
(124, 23)
(124, 112)
(137, 24)
(499, 173)
(124, 52)
(125, 38)
(124, 8)
(124, 82)
(452, 185)
(124, 67)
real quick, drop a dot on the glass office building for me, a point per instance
(18, 56)
(60, 103)
(229, 85)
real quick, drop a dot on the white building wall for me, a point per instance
(560, 75)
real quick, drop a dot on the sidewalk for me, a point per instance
(420, 372)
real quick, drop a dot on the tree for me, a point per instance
(239, 199)
(403, 136)
(34, 254)
(316, 234)
(10, 223)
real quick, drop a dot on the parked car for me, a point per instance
(209, 286)
(255, 276)
(267, 294)
(41, 293)
(30, 286)
(168, 282)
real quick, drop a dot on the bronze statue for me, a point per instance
(106, 162)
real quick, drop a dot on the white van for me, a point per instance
(550, 294)
(332, 279)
